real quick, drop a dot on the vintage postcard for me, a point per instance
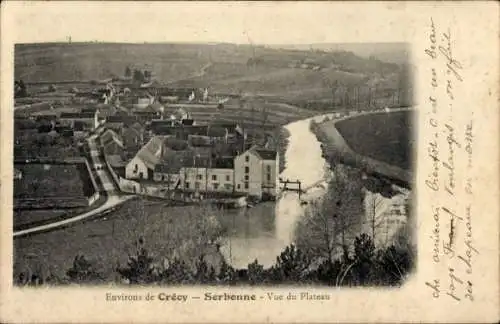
(248, 162)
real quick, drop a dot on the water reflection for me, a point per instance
(262, 232)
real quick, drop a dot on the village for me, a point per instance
(142, 139)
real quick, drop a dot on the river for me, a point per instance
(262, 232)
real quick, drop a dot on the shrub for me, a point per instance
(83, 271)
(140, 268)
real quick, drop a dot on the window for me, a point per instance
(247, 169)
(199, 176)
(269, 177)
(187, 185)
(228, 178)
(246, 178)
(246, 185)
(136, 168)
(238, 186)
(268, 167)
(214, 177)
(216, 185)
(247, 158)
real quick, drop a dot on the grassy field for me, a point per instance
(52, 180)
(384, 137)
(384, 148)
(107, 241)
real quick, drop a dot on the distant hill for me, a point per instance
(226, 68)
(398, 53)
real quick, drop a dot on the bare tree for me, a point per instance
(331, 224)
(374, 210)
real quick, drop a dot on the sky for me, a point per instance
(234, 22)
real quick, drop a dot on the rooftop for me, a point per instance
(109, 137)
(121, 119)
(264, 154)
(116, 161)
(151, 153)
(69, 115)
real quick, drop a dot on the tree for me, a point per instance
(83, 271)
(128, 72)
(394, 265)
(256, 273)
(364, 259)
(316, 232)
(176, 272)
(204, 273)
(291, 265)
(138, 76)
(140, 268)
(376, 219)
(226, 274)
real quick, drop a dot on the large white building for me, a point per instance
(256, 172)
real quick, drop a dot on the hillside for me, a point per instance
(225, 68)
(398, 53)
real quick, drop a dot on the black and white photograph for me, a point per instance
(213, 163)
(249, 162)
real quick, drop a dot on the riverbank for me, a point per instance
(383, 189)
(379, 142)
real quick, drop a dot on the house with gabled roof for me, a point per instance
(111, 143)
(256, 172)
(143, 164)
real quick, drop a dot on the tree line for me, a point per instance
(367, 266)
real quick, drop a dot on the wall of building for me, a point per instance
(253, 177)
(195, 177)
(168, 179)
(136, 169)
(270, 175)
(220, 180)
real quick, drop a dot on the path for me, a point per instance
(113, 199)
